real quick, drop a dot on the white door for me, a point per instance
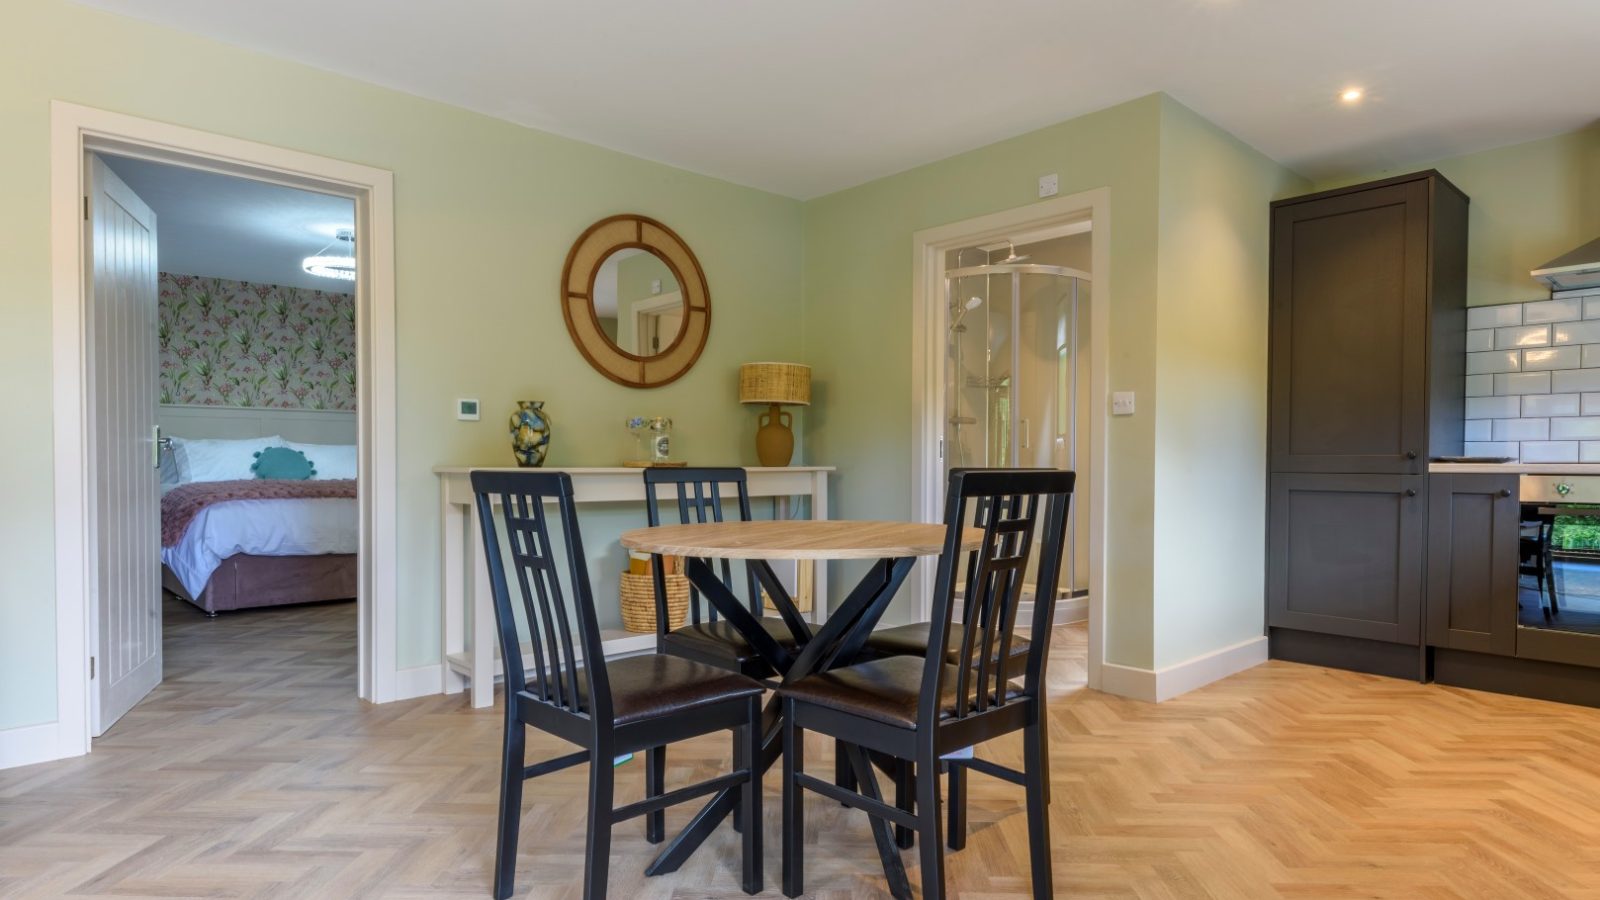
(125, 505)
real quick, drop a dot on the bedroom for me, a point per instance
(253, 395)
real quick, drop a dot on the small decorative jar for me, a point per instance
(654, 434)
(530, 433)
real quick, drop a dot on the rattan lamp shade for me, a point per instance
(776, 385)
(773, 382)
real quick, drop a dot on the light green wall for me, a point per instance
(858, 323)
(1531, 202)
(486, 212)
(1211, 386)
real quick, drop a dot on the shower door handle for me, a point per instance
(1026, 437)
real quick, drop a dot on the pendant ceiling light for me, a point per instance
(342, 267)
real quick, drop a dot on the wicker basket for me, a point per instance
(639, 602)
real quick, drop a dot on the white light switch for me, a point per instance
(467, 410)
(1122, 403)
(1049, 185)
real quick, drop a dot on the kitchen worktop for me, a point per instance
(1517, 468)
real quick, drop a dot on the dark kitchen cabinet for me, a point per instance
(1366, 382)
(1345, 555)
(1472, 562)
(1368, 330)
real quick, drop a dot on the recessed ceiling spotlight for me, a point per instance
(1351, 95)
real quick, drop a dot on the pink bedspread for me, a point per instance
(184, 502)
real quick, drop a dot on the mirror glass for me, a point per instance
(637, 301)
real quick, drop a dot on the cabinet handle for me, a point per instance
(1411, 492)
(1505, 492)
(1411, 454)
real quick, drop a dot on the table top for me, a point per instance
(605, 470)
(797, 539)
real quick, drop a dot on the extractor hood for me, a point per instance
(1572, 271)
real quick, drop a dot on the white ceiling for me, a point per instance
(223, 226)
(804, 98)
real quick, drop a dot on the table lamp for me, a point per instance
(775, 384)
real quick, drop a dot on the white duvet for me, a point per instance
(305, 527)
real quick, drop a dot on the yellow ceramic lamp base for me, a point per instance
(774, 441)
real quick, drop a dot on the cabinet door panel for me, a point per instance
(1350, 332)
(1472, 562)
(1345, 555)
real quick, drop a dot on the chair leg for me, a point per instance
(754, 881)
(505, 853)
(905, 781)
(843, 775)
(1033, 773)
(597, 854)
(929, 838)
(655, 784)
(1044, 758)
(794, 813)
(956, 803)
(738, 763)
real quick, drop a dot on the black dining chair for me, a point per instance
(607, 708)
(923, 709)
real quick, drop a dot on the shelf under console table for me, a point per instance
(469, 609)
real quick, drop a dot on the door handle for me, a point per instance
(1411, 492)
(1411, 454)
(1504, 492)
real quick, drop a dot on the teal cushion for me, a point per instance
(282, 463)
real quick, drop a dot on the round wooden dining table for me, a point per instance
(895, 547)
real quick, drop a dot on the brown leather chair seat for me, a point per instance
(647, 687)
(912, 640)
(719, 638)
(887, 690)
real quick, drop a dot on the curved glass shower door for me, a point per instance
(1014, 370)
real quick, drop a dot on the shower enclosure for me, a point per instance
(1017, 331)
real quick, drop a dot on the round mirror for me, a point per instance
(636, 301)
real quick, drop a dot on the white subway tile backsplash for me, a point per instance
(1521, 429)
(1492, 448)
(1591, 309)
(1549, 451)
(1526, 336)
(1552, 311)
(1495, 361)
(1545, 405)
(1575, 428)
(1480, 340)
(1591, 404)
(1552, 358)
(1574, 332)
(1589, 451)
(1478, 429)
(1575, 381)
(1480, 385)
(1493, 407)
(1591, 355)
(1495, 316)
(1522, 383)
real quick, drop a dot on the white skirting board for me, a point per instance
(33, 744)
(419, 681)
(1157, 685)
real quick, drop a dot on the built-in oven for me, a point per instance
(1558, 584)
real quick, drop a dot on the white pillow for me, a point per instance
(220, 460)
(332, 461)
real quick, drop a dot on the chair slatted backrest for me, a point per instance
(700, 494)
(561, 635)
(1011, 506)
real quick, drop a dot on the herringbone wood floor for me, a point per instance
(253, 772)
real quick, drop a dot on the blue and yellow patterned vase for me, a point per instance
(530, 433)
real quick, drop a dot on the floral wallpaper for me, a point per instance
(233, 343)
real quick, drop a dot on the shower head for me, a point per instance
(1011, 254)
(961, 313)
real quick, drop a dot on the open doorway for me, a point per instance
(80, 136)
(222, 331)
(1009, 324)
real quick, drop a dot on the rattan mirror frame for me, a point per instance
(591, 249)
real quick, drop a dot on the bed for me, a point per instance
(232, 541)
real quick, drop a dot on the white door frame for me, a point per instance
(76, 130)
(929, 321)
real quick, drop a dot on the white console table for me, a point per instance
(463, 574)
